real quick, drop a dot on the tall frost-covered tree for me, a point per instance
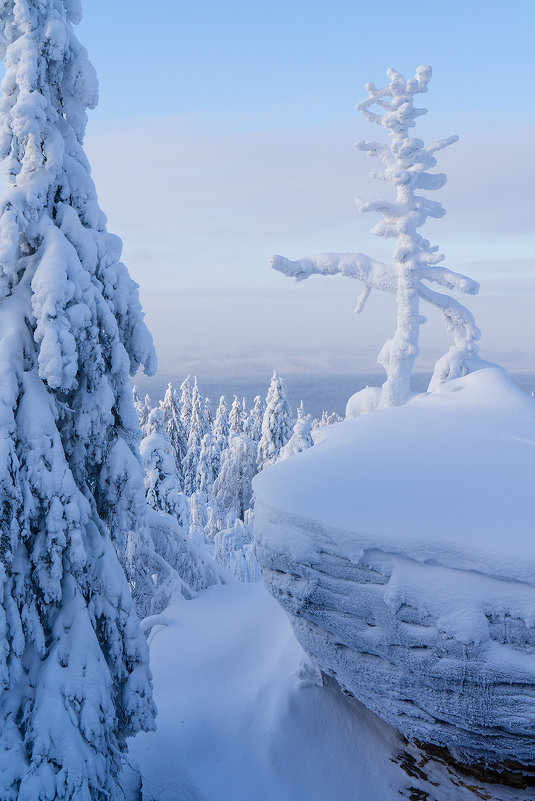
(198, 427)
(74, 668)
(220, 428)
(174, 427)
(256, 416)
(276, 423)
(235, 417)
(416, 262)
(185, 405)
(232, 490)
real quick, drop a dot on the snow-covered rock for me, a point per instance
(402, 548)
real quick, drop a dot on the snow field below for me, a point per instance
(242, 716)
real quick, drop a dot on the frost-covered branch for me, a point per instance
(378, 275)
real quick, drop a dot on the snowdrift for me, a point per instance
(402, 548)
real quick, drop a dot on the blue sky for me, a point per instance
(225, 134)
(262, 58)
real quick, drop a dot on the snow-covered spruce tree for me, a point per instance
(185, 405)
(235, 422)
(142, 407)
(174, 427)
(208, 464)
(276, 424)
(162, 483)
(198, 427)
(208, 413)
(220, 428)
(73, 663)
(256, 415)
(232, 491)
(406, 161)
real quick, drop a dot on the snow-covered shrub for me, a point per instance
(416, 262)
(300, 440)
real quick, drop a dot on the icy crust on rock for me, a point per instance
(446, 479)
(401, 547)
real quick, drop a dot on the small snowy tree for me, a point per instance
(256, 416)
(276, 423)
(235, 417)
(142, 407)
(162, 483)
(234, 549)
(208, 412)
(74, 668)
(406, 161)
(220, 428)
(300, 440)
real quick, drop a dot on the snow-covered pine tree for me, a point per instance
(300, 440)
(235, 417)
(73, 663)
(198, 510)
(244, 417)
(162, 483)
(208, 413)
(198, 427)
(185, 405)
(255, 420)
(174, 427)
(220, 428)
(276, 423)
(415, 261)
(232, 491)
(208, 464)
(142, 407)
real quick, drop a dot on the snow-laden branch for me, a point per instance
(378, 275)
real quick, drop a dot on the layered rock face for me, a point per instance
(402, 548)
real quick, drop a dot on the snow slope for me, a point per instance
(402, 547)
(241, 716)
(448, 478)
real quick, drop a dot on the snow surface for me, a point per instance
(241, 715)
(446, 479)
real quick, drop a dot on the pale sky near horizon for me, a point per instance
(225, 134)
